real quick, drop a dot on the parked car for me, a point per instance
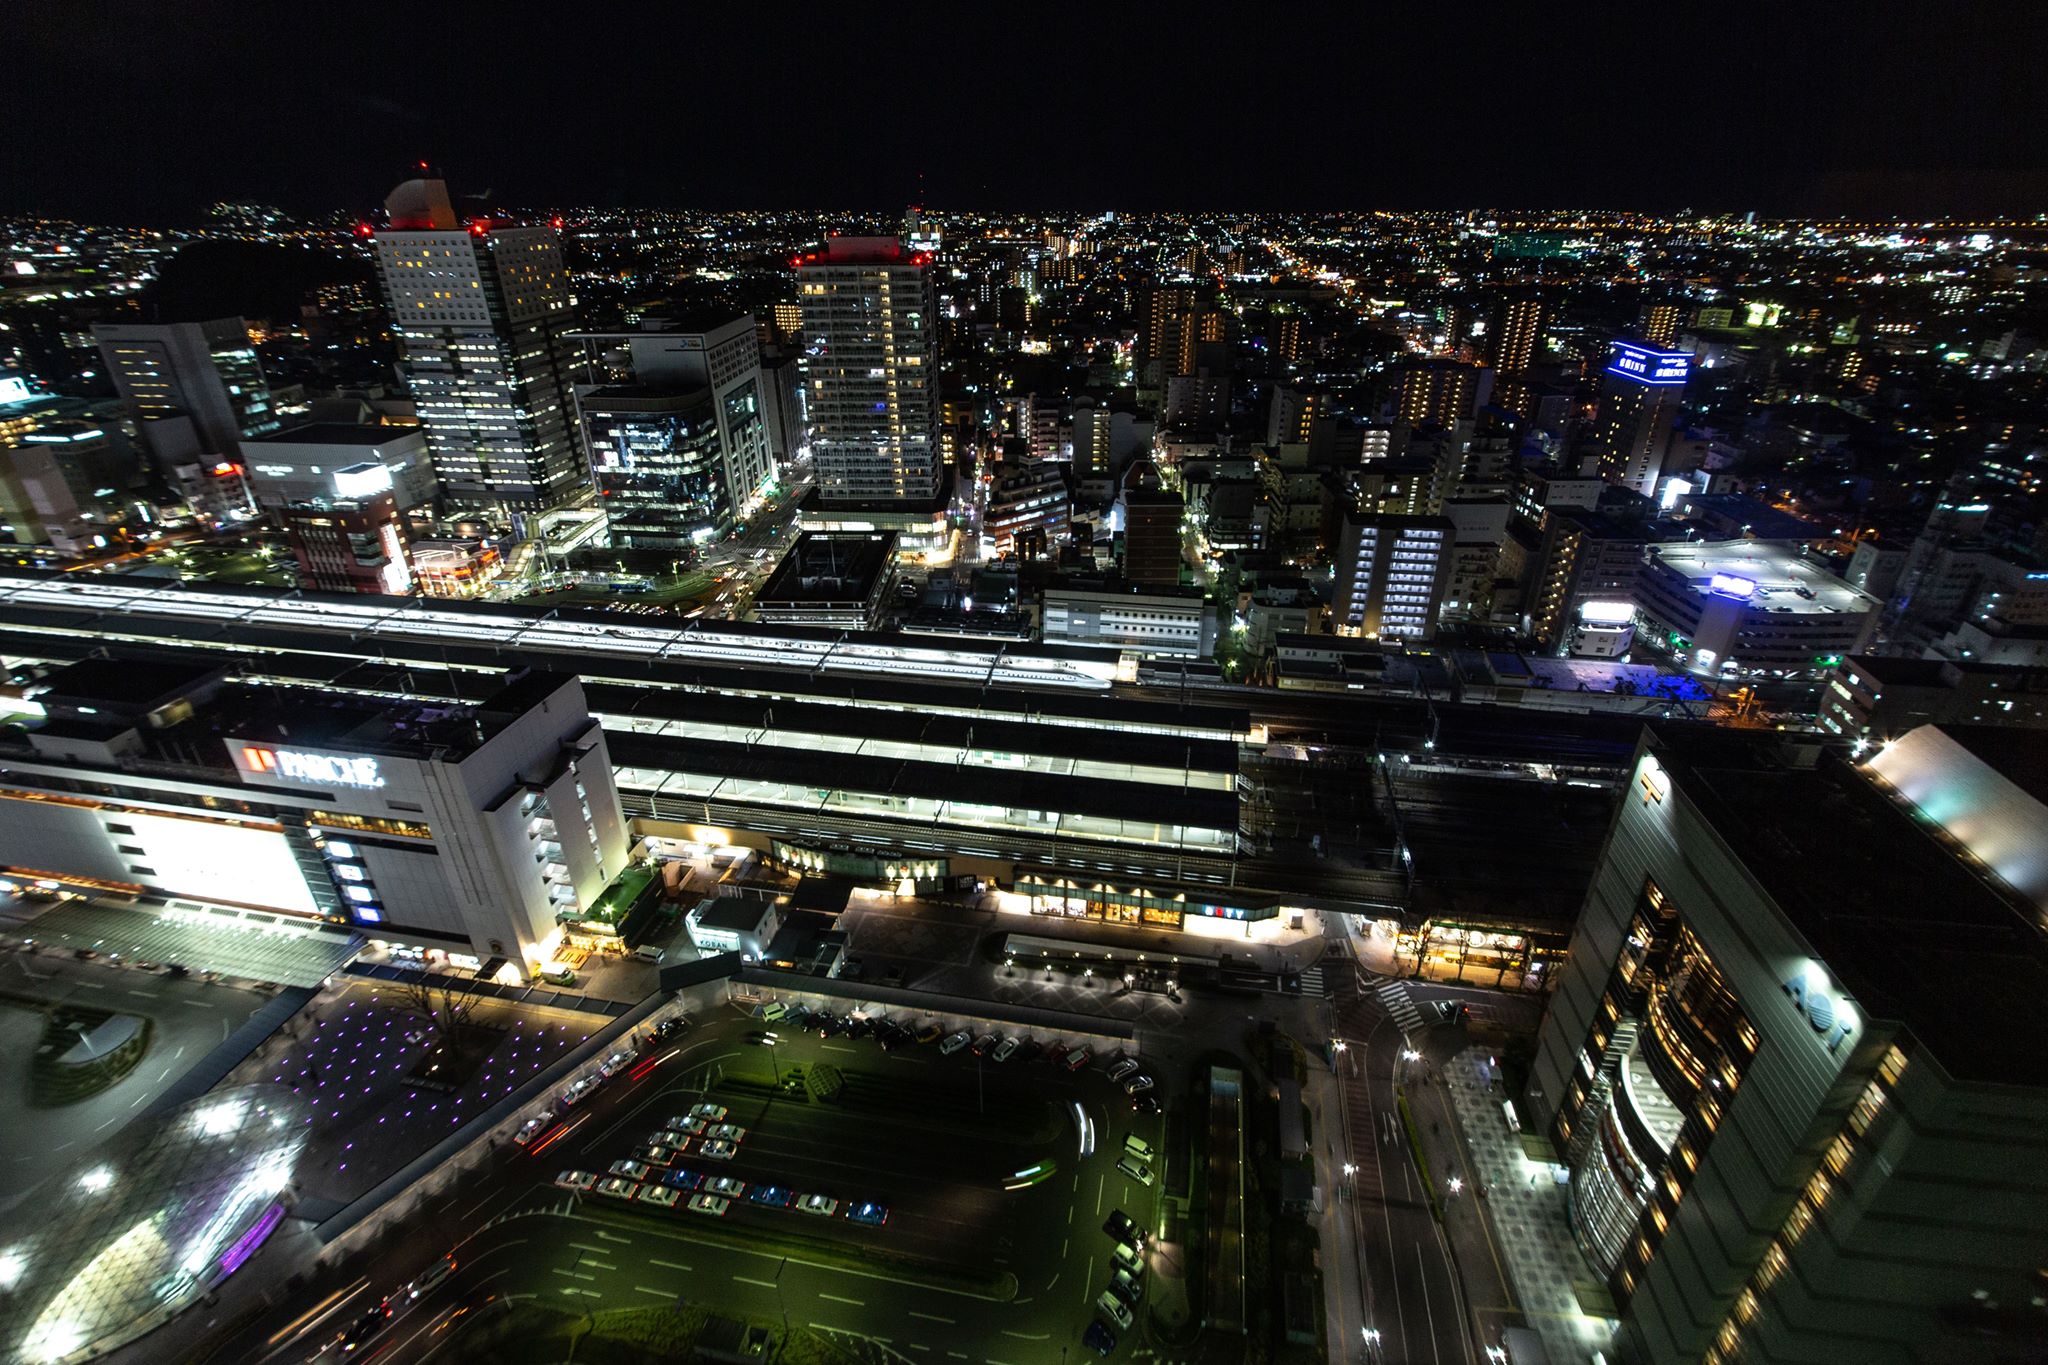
(692, 1124)
(729, 1132)
(1058, 1052)
(669, 1137)
(986, 1043)
(1138, 1147)
(534, 1127)
(1030, 1050)
(828, 1025)
(870, 1214)
(1099, 1339)
(580, 1181)
(1128, 1258)
(930, 1033)
(729, 1186)
(579, 1091)
(1144, 1104)
(1120, 1069)
(1112, 1307)
(823, 1205)
(617, 1187)
(772, 1196)
(655, 1156)
(680, 1179)
(661, 1196)
(1007, 1049)
(710, 1113)
(1127, 1287)
(859, 1026)
(614, 1064)
(632, 1170)
(955, 1042)
(1123, 1228)
(715, 1205)
(1135, 1169)
(717, 1149)
(1138, 1084)
(1077, 1059)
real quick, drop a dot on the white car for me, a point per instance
(729, 1132)
(713, 1204)
(1126, 1067)
(718, 1149)
(661, 1196)
(822, 1205)
(1112, 1307)
(635, 1171)
(730, 1186)
(617, 1187)
(534, 1127)
(580, 1091)
(693, 1124)
(1135, 1169)
(580, 1181)
(710, 1113)
(614, 1064)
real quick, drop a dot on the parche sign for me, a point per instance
(297, 765)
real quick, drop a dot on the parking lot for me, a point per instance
(938, 1198)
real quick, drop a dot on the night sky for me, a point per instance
(146, 113)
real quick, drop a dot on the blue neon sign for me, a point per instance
(1648, 366)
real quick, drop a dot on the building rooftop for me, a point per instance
(1917, 931)
(1767, 577)
(339, 434)
(829, 567)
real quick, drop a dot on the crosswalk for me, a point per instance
(1393, 997)
(1321, 979)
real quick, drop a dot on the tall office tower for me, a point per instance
(869, 317)
(1659, 322)
(1640, 392)
(1442, 391)
(1514, 336)
(206, 371)
(722, 361)
(655, 457)
(482, 316)
(1392, 574)
(1790, 1135)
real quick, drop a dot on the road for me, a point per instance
(516, 1234)
(1434, 1287)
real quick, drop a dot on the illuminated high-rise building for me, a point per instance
(1440, 391)
(207, 371)
(869, 326)
(1640, 393)
(1659, 324)
(1515, 334)
(481, 312)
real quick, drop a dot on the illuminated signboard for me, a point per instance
(1732, 585)
(1648, 366)
(1830, 1018)
(296, 765)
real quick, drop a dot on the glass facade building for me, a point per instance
(659, 465)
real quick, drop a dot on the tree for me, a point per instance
(442, 1004)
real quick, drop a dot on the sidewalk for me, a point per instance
(1528, 1209)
